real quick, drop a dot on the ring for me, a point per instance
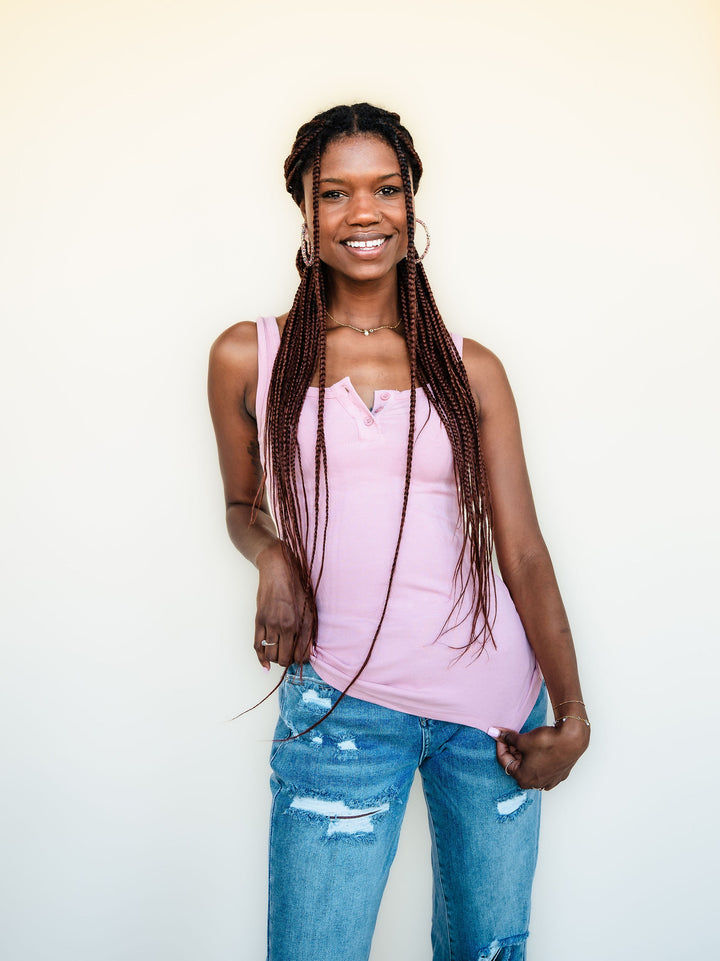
(266, 643)
(508, 765)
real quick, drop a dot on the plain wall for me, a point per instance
(572, 152)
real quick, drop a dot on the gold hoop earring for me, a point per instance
(306, 248)
(427, 236)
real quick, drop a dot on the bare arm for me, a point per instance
(542, 758)
(232, 383)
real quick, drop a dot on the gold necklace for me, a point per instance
(364, 330)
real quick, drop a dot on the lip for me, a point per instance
(365, 252)
(364, 236)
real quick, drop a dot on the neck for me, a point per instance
(366, 305)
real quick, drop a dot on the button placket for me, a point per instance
(354, 406)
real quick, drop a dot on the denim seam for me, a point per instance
(450, 939)
(270, 837)
(296, 681)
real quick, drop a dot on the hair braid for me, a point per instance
(320, 449)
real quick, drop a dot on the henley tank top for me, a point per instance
(415, 666)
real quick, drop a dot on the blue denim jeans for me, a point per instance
(339, 796)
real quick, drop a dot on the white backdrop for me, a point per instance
(572, 152)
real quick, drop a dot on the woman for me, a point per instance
(393, 460)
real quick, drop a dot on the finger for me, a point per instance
(507, 756)
(285, 649)
(260, 648)
(553, 782)
(267, 647)
(508, 737)
(272, 646)
(512, 767)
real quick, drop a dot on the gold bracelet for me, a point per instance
(572, 717)
(571, 701)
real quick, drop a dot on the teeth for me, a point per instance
(364, 243)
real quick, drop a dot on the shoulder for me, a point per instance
(235, 347)
(233, 367)
(487, 377)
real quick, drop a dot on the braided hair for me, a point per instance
(434, 363)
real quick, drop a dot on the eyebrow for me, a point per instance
(339, 180)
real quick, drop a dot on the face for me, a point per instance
(361, 208)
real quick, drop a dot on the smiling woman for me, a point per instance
(361, 208)
(370, 461)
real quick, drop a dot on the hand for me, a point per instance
(543, 757)
(284, 614)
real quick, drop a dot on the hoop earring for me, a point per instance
(427, 236)
(306, 247)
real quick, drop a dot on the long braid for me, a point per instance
(434, 363)
(451, 395)
(320, 449)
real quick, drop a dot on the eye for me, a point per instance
(389, 190)
(331, 194)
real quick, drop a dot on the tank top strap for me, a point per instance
(268, 337)
(458, 341)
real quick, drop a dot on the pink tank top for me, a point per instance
(414, 667)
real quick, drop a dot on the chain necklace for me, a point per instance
(364, 330)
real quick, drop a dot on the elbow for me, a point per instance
(240, 512)
(241, 515)
(524, 560)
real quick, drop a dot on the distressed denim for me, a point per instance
(339, 795)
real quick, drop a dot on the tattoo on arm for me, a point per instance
(253, 450)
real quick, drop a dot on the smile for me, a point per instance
(365, 244)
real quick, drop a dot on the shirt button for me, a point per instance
(368, 421)
(385, 395)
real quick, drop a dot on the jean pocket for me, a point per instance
(306, 675)
(304, 698)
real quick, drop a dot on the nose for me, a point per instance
(364, 210)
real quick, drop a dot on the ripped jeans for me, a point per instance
(339, 796)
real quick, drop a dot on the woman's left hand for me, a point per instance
(543, 757)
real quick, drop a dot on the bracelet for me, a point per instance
(572, 717)
(571, 701)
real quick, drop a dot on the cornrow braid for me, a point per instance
(434, 363)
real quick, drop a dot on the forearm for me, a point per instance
(534, 590)
(251, 535)
(284, 617)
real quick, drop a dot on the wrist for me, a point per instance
(574, 728)
(570, 705)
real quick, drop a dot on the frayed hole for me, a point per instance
(511, 804)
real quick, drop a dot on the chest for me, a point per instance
(374, 363)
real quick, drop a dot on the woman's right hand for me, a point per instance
(283, 617)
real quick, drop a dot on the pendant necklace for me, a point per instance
(363, 330)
